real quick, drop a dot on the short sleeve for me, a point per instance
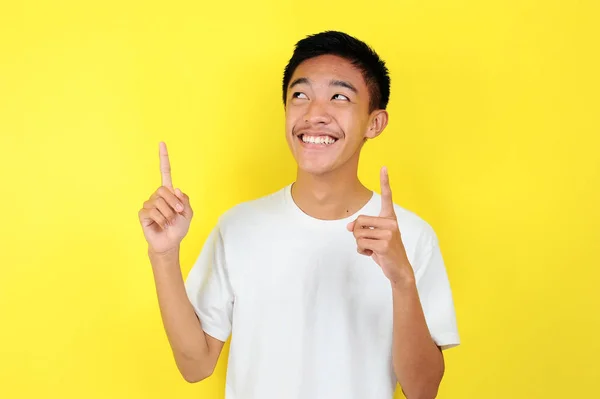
(209, 289)
(435, 293)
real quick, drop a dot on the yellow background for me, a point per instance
(493, 138)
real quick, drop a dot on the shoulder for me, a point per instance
(416, 231)
(249, 213)
(419, 236)
(414, 222)
(411, 223)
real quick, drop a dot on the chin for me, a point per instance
(315, 168)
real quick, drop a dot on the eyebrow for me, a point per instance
(343, 83)
(338, 83)
(299, 81)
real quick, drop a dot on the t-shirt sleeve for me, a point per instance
(435, 293)
(209, 289)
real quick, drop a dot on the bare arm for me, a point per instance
(165, 219)
(418, 361)
(196, 353)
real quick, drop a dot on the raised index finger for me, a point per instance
(387, 204)
(165, 166)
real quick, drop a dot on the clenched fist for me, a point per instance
(167, 214)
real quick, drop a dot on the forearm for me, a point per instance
(183, 329)
(418, 362)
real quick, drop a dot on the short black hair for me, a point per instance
(361, 55)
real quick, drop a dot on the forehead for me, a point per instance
(325, 68)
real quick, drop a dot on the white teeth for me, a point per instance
(318, 139)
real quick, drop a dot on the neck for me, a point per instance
(334, 195)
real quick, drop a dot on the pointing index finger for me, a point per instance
(165, 166)
(387, 204)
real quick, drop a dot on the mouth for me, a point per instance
(317, 140)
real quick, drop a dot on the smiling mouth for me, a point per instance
(323, 140)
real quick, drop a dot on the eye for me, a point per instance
(340, 97)
(299, 95)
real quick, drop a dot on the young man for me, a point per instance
(327, 289)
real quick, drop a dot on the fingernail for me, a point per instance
(179, 207)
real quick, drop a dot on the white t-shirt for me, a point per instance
(309, 316)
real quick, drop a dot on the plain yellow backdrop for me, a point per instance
(493, 139)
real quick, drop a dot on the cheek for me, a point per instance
(290, 121)
(353, 127)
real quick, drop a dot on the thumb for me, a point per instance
(187, 208)
(350, 226)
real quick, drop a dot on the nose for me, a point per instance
(317, 113)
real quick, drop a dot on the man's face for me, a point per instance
(327, 114)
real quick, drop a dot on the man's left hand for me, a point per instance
(379, 237)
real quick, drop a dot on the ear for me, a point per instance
(379, 120)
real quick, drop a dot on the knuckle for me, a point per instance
(163, 191)
(160, 201)
(155, 215)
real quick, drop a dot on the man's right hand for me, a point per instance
(166, 216)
